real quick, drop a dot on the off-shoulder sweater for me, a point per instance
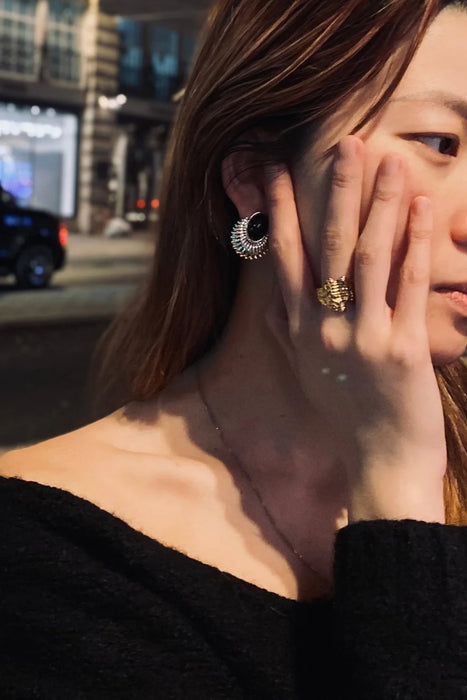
(91, 608)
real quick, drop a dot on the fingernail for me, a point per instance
(391, 166)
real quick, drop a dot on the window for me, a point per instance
(154, 60)
(63, 41)
(164, 62)
(17, 50)
(132, 55)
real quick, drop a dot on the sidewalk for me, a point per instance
(87, 249)
(100, 276)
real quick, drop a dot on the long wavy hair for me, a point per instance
(282, 67)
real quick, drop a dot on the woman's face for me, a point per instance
(426, 123)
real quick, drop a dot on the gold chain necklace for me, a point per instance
(244, 472)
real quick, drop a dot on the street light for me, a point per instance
(112, 103)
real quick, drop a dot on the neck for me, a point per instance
(258, 404)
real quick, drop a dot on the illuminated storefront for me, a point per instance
(38, 156)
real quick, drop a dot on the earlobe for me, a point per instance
(243, 180)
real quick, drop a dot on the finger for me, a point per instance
(343, 214)
(373, 252)
(414, 282)
(290, 261)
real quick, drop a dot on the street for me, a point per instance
(47, 338)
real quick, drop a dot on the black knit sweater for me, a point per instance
(91, 608)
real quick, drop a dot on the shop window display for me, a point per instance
(38, 157)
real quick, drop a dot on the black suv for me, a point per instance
(32, 243)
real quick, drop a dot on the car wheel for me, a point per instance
(34, 267)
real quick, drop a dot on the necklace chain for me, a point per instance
(247, 476)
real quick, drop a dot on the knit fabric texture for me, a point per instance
(91, 608)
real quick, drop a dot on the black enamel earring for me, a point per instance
(250, 236)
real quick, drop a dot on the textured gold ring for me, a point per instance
(335, 294)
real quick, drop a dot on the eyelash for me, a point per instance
(450, 138)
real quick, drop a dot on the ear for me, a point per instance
(244, 182)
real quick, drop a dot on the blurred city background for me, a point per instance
(88, 93)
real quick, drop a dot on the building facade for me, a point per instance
(86, 103)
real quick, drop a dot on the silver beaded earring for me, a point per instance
(250, 236)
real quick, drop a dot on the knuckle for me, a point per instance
(364, 345)
(365, 255)
(328, 338)
(275, 199)
(401, 354)
(295, 331)
(333, 339)
(414, 275)
(386, 194)
(420, 234)
(342, 178)
(276, 246)
(333, 238)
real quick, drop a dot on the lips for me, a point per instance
(452, 287)
(455, 294)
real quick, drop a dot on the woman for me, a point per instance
(278, 400)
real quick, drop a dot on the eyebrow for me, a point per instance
(445, 99)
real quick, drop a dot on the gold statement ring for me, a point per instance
(335, 294)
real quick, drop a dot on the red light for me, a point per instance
(155, 204)
(141, 203)
(63, 235)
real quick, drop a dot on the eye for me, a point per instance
(445, 144)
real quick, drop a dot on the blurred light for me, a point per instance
(135, 216)
(35, 110)
(141, 203)
(63, 235)
(32, 129)
(11, 107)
(51, 112)
(155, 204)
(112, 103)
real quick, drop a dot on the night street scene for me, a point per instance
(88, 93)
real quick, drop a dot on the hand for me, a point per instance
(368, 371)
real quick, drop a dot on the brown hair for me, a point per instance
(282, 66)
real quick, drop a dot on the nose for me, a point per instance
(459, 227)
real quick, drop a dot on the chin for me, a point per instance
(445, 354)
(440, 360)
(447, 334)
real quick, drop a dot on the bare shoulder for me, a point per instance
(117, 461)
(51, 457)
(137, 464)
